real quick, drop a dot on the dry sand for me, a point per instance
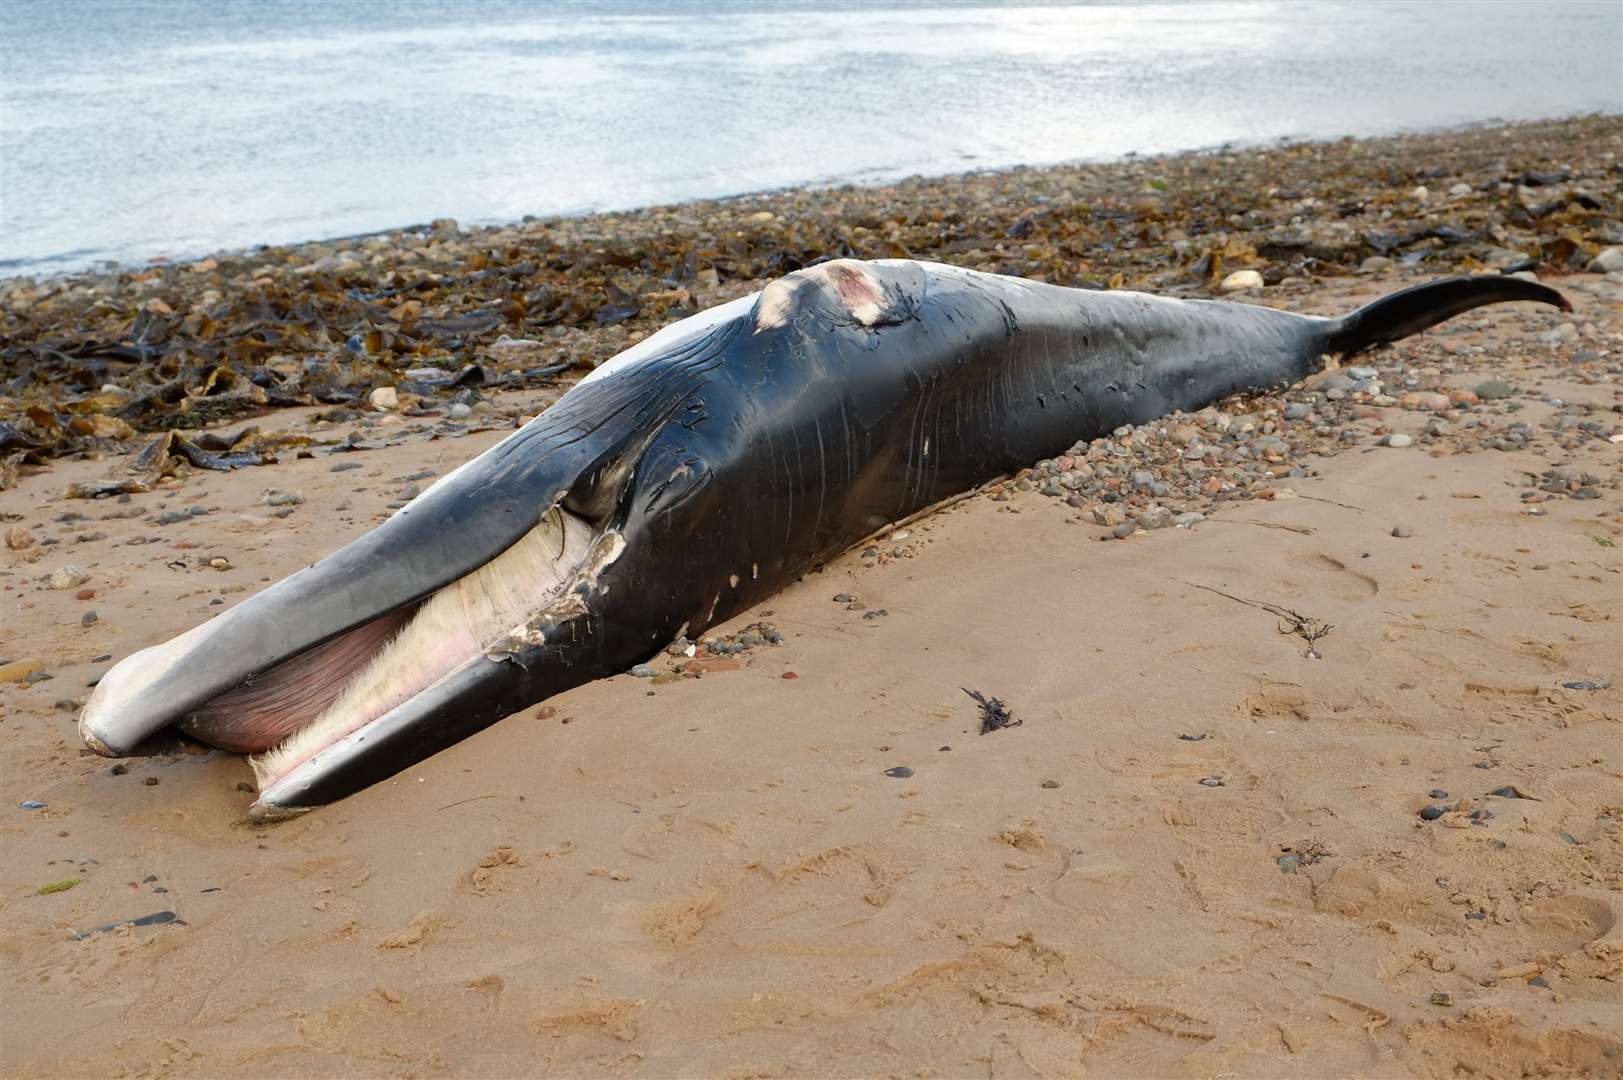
(716, 876)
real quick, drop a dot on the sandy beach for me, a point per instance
(1202, 851)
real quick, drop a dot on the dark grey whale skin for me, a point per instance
(732, 462)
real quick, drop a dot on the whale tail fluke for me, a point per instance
(1421, 307)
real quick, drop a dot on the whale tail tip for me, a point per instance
(1421, 307)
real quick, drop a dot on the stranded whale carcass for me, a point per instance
(688, 478)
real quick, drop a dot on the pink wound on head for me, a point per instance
(853, 286)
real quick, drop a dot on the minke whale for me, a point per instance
(687, 479)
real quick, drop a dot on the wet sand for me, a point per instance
(715, 875)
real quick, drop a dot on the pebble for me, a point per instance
(1509, 791)
(31, 804)
(1429, 402)
(643, 671)
(1402, 532)
(1588, 684)
(18, 538)
(284, 498)
(1241, 280)
(1433, 812)
(385, 398)
(68, 577)
(87, 618)
(1436, 793)
(1397, 440)
(1210, 781)
(899, 772)
(174, 517)
(459, 411)
(1494, 390)
(1289, 863)
(1049, 784)
(1608, 261)
(1442, 997)
(345, 466)
(19, 670)
(843, 598)
(157, 918)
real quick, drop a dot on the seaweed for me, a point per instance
(995, 715)
(90, 363)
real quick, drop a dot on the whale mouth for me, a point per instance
(286, 711)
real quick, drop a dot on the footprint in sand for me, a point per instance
(1353, 585)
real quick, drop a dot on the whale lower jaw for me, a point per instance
(290, 716)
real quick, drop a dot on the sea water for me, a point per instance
(131, 129)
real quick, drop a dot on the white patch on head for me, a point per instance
(732, 580)
(853, 284)
(454, 625)
(777, 301)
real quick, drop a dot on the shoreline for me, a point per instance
(813, 186)
(178, 345)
